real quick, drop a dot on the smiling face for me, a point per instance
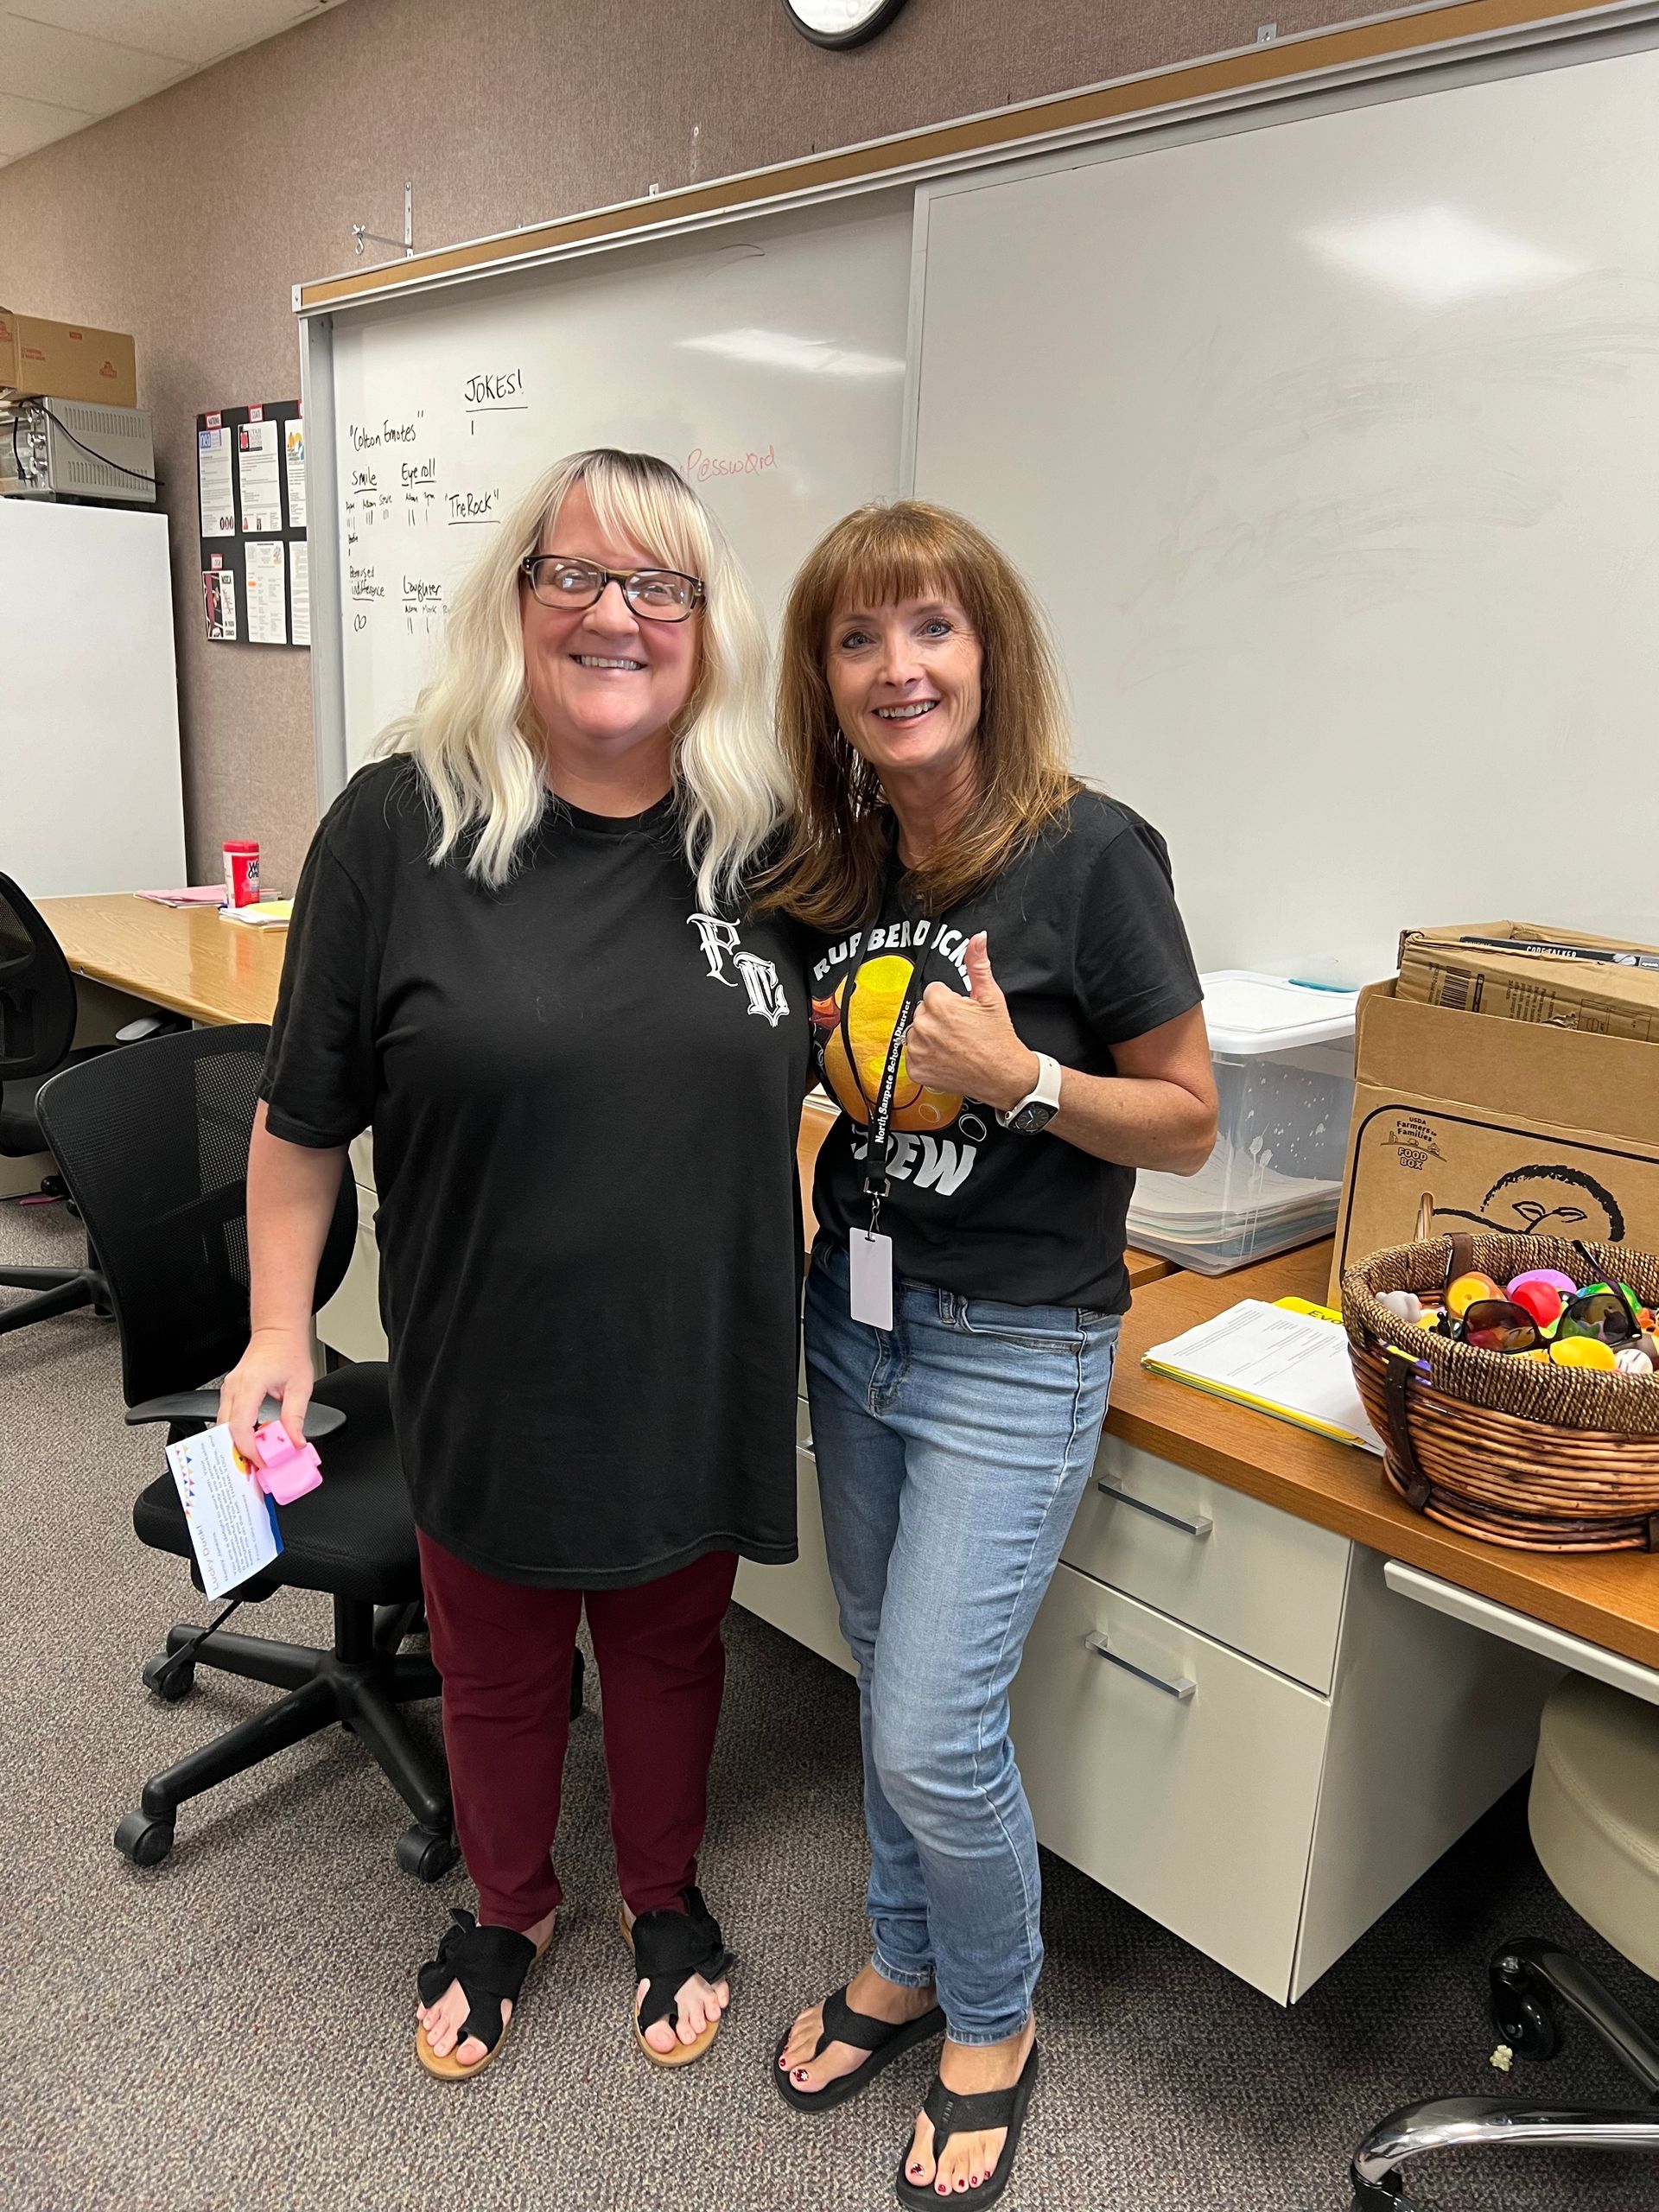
(606, 685)
(905, 677)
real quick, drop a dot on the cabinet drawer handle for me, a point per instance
(1199, 1525)
(1182, 1688)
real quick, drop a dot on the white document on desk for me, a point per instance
(233, 1523)
(1285, 1363)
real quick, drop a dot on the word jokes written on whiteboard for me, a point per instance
(699, 465)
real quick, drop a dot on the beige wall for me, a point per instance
(186, 221)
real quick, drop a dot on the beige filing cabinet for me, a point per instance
(1224, 1715)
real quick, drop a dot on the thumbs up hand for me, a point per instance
(969, 1044)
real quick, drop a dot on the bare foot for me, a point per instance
(868, 1992)
(970, 2069)
(699, 2002)
(443, 2021)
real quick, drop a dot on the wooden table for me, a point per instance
(1610, 1599)
(192, 962)
(185, 958)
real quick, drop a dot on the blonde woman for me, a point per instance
(522, 951)
(1008, 1016)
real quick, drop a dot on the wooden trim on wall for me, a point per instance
(1379, 39)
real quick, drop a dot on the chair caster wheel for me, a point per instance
(427, 1854)
(145, 1841)
(1523, 2012)
(164, 1679)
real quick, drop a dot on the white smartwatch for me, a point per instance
(1040, 1103)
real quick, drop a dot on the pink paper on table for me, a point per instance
(198, 894)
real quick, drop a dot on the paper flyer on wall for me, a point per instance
(299, 596)
(259, 456)
(267, 595)
(219, 598)
(233, 1523)
(214, 485)
(294, 451)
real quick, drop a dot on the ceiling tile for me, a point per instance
(44, 63)
(25, 125)
(194, 31)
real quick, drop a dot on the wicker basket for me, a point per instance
(1541, 1458)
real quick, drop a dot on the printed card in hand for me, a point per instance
(233, 1523)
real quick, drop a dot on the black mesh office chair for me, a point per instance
(37, 1027)
(153, 1144)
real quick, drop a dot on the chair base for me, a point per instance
(57, 1290)
(360, 1684)
(1529, 1980)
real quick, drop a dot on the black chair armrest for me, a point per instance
(203, 1405)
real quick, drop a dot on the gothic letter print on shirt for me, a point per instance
(717, 937)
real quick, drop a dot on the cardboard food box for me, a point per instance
(65, 360)
(1607, 997)
(1508, 1125)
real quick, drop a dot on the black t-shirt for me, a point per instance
(1086, 942)
(584, 1094)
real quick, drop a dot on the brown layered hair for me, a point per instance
(831, 873)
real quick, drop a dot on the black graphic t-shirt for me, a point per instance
(1087, 944)
(584, 1095)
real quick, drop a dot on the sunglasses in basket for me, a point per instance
(1607, 1311)
(1499, 1325)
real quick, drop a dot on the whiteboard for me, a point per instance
(766, 360)
(1332, 449)
(91, 796)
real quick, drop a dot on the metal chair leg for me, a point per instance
(1459, 2123)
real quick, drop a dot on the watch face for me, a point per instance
(1030, 1119)
(841, 22)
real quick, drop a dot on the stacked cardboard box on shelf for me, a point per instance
(1490, 1097)
(65, 361)
(1611, 997)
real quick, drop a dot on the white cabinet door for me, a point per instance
(1176, 1772)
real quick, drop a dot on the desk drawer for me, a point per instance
(1196, 1807)
(1264, 1581)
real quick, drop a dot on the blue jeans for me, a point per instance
(953, 1452)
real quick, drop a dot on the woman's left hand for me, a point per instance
(970, 1044)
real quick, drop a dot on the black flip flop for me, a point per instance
(963, 2115)
(885, 2040)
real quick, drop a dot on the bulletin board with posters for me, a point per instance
(250, 497)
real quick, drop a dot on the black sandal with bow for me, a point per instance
(954, 2115)
(490, 1964)
(885, 2040)
(668, 1949)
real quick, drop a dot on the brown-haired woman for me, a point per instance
(965, 1294)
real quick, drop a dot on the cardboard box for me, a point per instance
(1594, 995)
(65, 360)
(1499, 1125)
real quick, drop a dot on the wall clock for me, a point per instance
(841, 22)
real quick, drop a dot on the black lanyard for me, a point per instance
(879, 1148)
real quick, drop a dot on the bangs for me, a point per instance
(637, 496)
(881, 556)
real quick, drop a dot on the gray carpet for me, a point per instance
(232, 2030)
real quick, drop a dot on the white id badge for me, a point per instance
(871, 1262)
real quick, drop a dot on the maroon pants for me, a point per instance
(505, 1652)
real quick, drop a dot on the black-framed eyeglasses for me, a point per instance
(656, 595)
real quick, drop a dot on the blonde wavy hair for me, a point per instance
(473, 732)
(830, 873)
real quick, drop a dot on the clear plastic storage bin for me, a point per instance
(1284, 1062)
